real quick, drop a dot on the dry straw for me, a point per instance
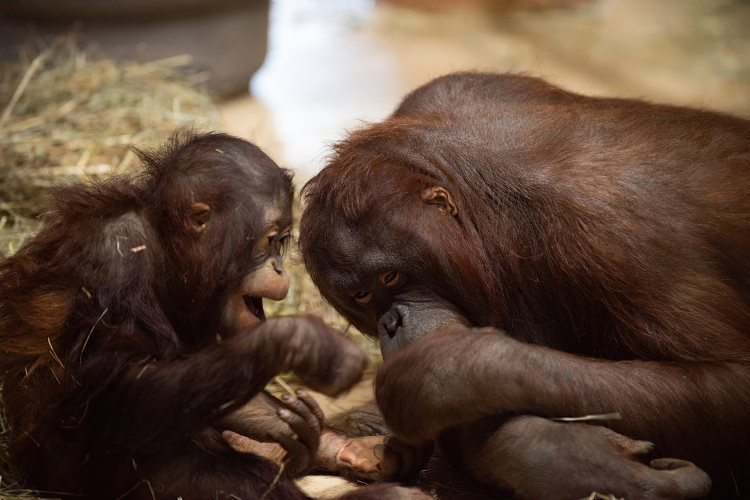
(68, 117)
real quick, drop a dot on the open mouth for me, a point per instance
(255, 306)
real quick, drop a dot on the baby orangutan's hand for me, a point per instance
(305, 420)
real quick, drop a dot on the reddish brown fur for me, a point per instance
(112, 373)
(606, 228)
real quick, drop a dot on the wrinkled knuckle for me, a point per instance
(297, 406)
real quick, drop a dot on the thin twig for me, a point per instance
(53, 374)
(80, 360)
(148, 483)
(54, 354)
(85, 411)
(736, 488)
(283, 384)
(30, 437)
(606, 416)
(141, 372)
(273, 483)
(22, 86)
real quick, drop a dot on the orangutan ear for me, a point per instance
(199, 215)
(437, 195)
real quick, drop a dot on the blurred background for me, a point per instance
(294, 75)
(334, 63)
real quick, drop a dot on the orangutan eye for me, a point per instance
(362, 298)
(281, 241)
(394, 278)
(266, 241)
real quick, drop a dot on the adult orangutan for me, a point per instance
(573, 256)
(132, 333)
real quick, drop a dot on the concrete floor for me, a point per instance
(335, 63)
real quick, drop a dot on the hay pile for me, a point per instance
(69, 118)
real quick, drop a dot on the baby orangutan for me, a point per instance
(132, 332)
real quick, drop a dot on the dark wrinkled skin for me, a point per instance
(523, 251)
